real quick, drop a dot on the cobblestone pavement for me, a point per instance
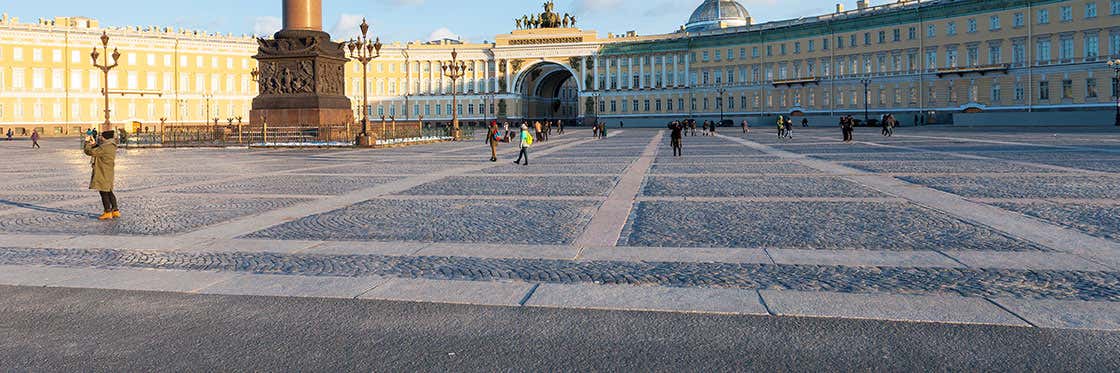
(685, 223)
(1063, 285)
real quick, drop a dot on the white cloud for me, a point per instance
(442, 33)
(407, 2)
(266, 26)
(347, 26)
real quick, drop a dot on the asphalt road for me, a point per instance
(54, 329)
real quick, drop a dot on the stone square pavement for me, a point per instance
(1010, 226)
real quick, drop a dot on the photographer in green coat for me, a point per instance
(104, 155)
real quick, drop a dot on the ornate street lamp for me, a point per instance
(722, 91)
(866, 97)
(1115, 65)
(364, 51)
(455, 70)
(105, 67)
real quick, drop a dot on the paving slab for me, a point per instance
(500, 251)
(18, 275)
(1027, 260)
(921, 308)
(251, 245)
(863, 258)
(23, 240)
(142, 279)
(127, 242)
(366, 248)
(1066, 314)
(648, 298)
(675, 254)
(449, 291)
(295, 286)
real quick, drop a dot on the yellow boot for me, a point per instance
(116, 214)
(105, 216)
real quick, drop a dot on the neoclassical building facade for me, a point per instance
(921, 60)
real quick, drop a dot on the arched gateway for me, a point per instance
(548, 90)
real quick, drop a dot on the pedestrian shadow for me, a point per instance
(50, 210)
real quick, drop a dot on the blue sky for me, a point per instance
(403, 20)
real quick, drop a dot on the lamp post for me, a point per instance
(866, 97)
(721, 90)
(455, 70)
(1115, 65)
(208, 97)
(362, 50)
(105, 67)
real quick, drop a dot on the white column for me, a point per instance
(509, 77)
(619, 68)
(432, 77)
(664, 71)
(630, 72)
(596, 73)
(676, 72)
(642, 72)
(687, 72)
(474, 75)
(582, 73)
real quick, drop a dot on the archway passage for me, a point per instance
(549, 91)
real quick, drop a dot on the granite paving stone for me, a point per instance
(517, 222)
(968, 282)
(954, 166)
(754, 186)
(518, 185)
(777, 167)
(147, 215)
(1017, 186)
(291, 184)
(808, 225)
(1101, 220)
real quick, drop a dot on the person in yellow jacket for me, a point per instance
(104, 156)
(525, 142)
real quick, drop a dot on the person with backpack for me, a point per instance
(675, 137)
(526, 141)
(104, 155)
(493, 137)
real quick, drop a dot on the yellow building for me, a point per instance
(1011, 61)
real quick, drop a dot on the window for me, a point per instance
(1018, 53)
(951, 58)
(824, 42)
(151, 59)
(1092, 46)
(1043, 51)
(1018, 20)
(972, 56)
(754, 52)
(38, 79)
(782, 49)
(56, 55)
(993, 23)
(1091, 88)
(931, 60)
(1019, 91)
(882, 37)
(704, 55)
(1043, 16)
(951, 29)
(1044, 90)
(742, 53)
(1065, 48)
(769, 50)
(1091, 10)
(931, 31)
(717, 56)
(37, 55)
(1067, 13)
(17, 54)
(1114, 7)
(730, 55)
(867, 38)
(996, 92)
(812, 45)
(797, 48)
(1067, 89)
(912, 33)
(1114, 44)
(994, 55)
(852, 40)
(971, 25)
(1115, 87)
(897, 35)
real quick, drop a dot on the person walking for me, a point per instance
(35, 139)
(712, 128)
(493, 137)
(9, 134)
(781, 127)
(621, 124)
(104, 155)
(595, 130)
(804, 122)
(602, 130)
(526, 141)
(692, 127)
(537, 130)
(560, 128)
(676, 135)
(789, 128)
(505, 132)
(746, 126)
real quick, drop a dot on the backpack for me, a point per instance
(528, 139)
